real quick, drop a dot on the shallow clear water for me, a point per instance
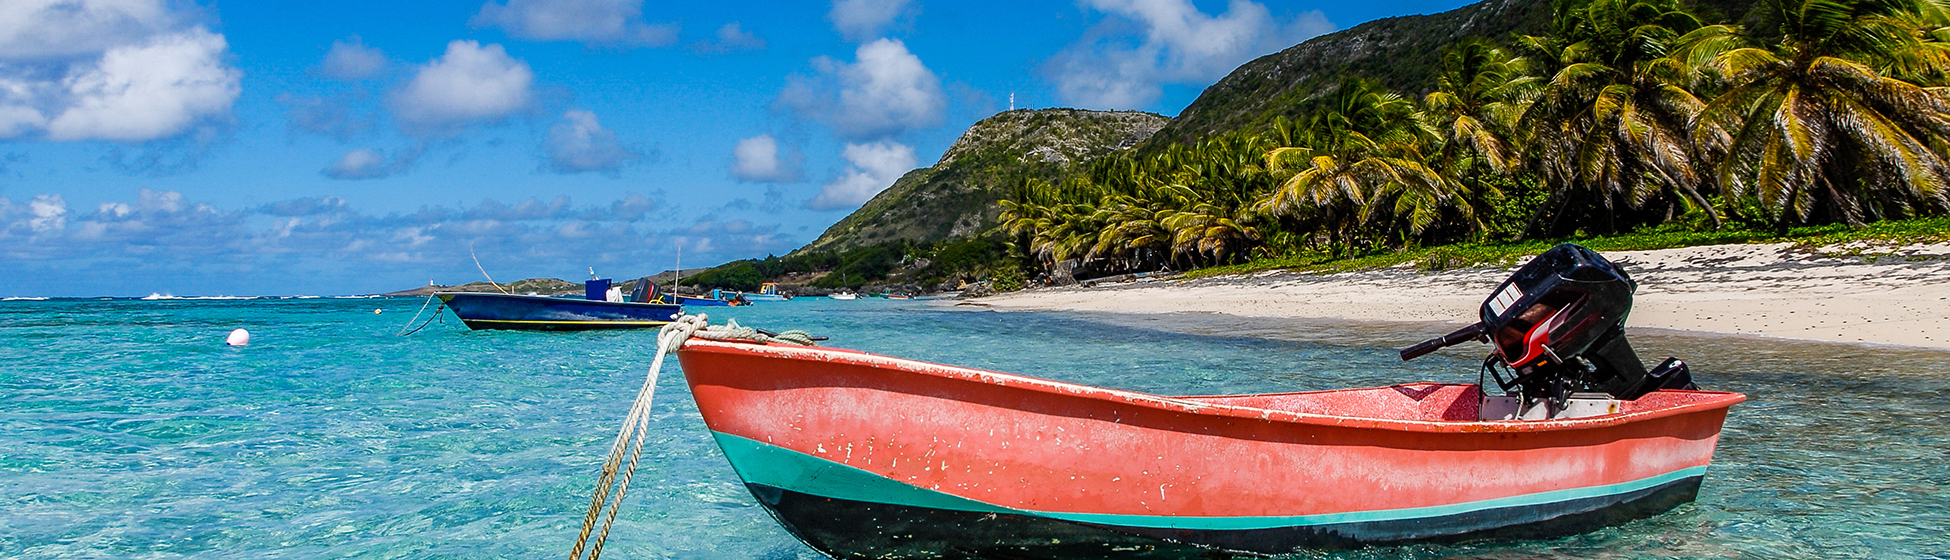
(129, 430)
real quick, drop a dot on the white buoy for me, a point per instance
(238, 337)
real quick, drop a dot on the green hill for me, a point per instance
(927, 226)
(956, 198)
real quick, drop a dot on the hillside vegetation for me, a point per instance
(956, 197)
(1628, 115)
(1499, 124)
(937, 226)
(1401, 54)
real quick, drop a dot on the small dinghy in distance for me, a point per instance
(866, 456)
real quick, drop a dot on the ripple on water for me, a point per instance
(127, 430)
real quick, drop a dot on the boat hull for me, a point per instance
(867, 456)
(502, 311)
(701, 302)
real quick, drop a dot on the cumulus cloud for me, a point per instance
(150, 91)
(757, 159)
(859, 20)
(1111, 68)
(18, 120)
(368, 163)
(871, 168)
(467, 85)
(49, 212)
(42, 30)
(593, 22)
(351, 59)
(731, 38)
(886, 91)
(579, 144)
(117, 70)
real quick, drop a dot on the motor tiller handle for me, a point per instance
(1461, 335)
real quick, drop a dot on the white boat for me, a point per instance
(842, 295)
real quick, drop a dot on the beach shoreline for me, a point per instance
(1858, 294)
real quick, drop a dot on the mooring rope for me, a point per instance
(670, 338)
(416, 316)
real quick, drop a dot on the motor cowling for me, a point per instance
(1558, 326)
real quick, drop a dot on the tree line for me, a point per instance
(1628, 114)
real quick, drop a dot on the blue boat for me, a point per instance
(699, 302)
(595, 310)
(766, 292)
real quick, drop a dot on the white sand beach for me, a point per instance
(1894, 295)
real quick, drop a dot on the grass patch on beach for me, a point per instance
(1854, 241)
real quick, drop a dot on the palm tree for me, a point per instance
(1612, 126)
(1816, 121)
(1363, 159)
(1480, 93)
(1209, 231)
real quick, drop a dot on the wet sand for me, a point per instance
(1860, 294)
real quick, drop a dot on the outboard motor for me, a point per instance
(645, 291)
(1558, 328)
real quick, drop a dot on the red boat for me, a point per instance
(867, 456)
(862, 455)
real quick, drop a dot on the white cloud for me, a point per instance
(152, 91)
(872, 168)
(17, 120)
(579, 143)
(165, 241)
(885, 92)
(469, 84)
(82, 29)
(119, 70)
(351, 59)
(1179, 45)
(859, 20)
(50, 213)
(362, 163)
(595, 22)
(757, 159)
(731, 38)
(368, 163)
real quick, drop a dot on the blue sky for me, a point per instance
(277, 147)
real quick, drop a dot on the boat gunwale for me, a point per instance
(1187, 405)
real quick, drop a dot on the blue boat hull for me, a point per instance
(501, 311)
(700, 302)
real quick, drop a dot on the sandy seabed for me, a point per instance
(1870, 295)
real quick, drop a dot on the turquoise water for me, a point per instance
(129, 430)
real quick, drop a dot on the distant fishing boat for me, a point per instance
(843, 296)
(602, 307)
(768, 291)
(699, 301)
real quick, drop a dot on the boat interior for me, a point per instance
(1449, 402)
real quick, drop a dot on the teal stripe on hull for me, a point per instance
(770, 465)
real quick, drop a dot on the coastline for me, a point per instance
(1893, 296)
